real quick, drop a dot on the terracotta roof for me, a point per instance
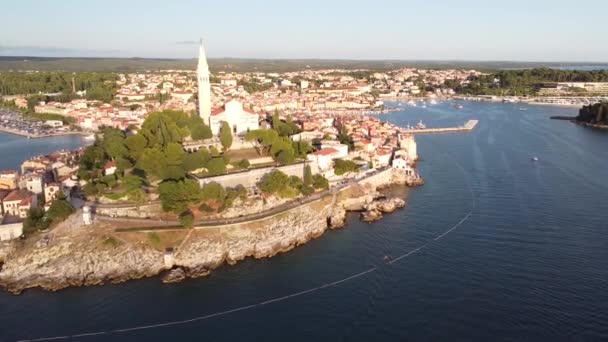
(17, 195)
(325, 151)
(110, 164)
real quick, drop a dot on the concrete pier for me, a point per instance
(469, 125)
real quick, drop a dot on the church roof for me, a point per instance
(222, 109)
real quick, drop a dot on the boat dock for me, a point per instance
(468, 126)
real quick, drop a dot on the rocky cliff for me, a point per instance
(76, 255)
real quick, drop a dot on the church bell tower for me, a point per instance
(204, 86)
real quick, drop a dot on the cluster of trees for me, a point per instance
(99, 86)
(153, 154)
(342, 166)
(284, 186)
(253, 85)
(283, 150)
(276, 142)
(38, 219)
(179, 196)
(525, 81)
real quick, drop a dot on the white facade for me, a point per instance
(341, 148)
(11, 231)
(239, 119)
(407, 143)
(204, 86)
(324, 158)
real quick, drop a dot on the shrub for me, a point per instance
(186, 219)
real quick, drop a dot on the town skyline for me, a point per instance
(358, 30)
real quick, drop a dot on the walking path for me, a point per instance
(241, 219)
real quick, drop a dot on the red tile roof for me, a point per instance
(325, 151)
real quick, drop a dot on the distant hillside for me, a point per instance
(243, 64)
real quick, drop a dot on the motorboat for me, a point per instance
(534, 159)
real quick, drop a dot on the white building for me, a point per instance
(324, 158)
(54, 123)
(204, 86)
(240, 120)
(10, 231)
(341, 148)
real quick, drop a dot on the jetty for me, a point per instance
(468, 126)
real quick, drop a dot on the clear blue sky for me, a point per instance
(530, 30)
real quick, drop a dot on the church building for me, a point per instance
(240, 120)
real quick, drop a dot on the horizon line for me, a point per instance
(317, 59)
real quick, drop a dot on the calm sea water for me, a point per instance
(529, 262)
(15, 149)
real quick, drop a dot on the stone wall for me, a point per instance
(250, 178)
(150, 210)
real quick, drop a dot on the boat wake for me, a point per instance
(277, 299)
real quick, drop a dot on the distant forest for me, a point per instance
(250, 65)
(527, 81)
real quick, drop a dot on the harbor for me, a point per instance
(420, 128)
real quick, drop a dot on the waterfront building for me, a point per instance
(18, 203)
(241, 120)
(204, 86)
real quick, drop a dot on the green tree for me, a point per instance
(276, 121)
(344, 166)
(307, 175)
(196, 160)
(186, 219)
(301, 148)
(153, 162)
(174, 156)
(160, 130)
(213, 195)
(273, 181)
(198, 129)
(216, 166)
(136, 145)
(320, 182)
(176, 196)
(263, 139)
(225, 135)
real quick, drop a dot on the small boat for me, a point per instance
(523, 109)
(534, 159)
(458, 106)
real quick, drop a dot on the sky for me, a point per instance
(513, 30)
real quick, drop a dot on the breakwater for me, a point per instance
(468, 126)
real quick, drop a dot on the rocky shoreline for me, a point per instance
(97, 255)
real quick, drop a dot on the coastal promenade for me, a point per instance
(153, 224)
(468, 126)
